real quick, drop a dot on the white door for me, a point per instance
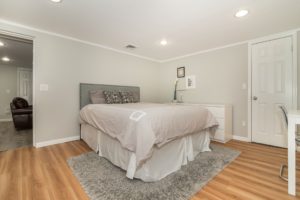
(272, 86)
(25, 84)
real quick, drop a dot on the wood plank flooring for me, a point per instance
(43, 173)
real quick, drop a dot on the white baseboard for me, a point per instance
(6, 120)
(241, 138)
(58, 141)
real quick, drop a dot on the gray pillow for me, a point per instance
(112, 97)
(127, 97)
(136, 97)
(97, 97)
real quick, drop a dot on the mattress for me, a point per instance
(165, 159)
(139, 127)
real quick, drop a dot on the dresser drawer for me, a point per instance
(223, 114)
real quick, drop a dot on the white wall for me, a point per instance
(219, 78)
(63, 64)
(8, 89)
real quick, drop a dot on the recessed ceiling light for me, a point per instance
(5, 59)
(56, 1)
(1, 44)
(241, 13)
(164, 42)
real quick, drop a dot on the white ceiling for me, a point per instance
(188, 25)
(19, 51)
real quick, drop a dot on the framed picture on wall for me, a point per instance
(180, 72)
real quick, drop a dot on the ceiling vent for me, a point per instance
(130, 46)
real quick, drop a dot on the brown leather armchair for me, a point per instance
(21, 113)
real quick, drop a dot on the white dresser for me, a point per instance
(223, 114)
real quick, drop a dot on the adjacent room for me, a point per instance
(149, 100)
(16, 93)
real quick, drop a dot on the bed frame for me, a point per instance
(84, 89)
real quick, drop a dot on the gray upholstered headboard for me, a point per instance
(86, 87)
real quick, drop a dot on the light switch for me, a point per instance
(244, 86)
(243, 123)
(8, 91)
(44, 87)
(190, 82)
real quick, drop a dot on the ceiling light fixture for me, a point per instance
(164, 42)
(1, 44)
(56, 1)
(5, 59)
(241, 13)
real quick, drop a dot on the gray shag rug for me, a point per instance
(10, 138)
(102, 180)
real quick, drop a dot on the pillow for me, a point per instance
(97, 97)
(127, 97)
(136, 97)
(112, 97)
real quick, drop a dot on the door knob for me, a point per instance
(255, 98)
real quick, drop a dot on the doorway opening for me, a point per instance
(16, 92)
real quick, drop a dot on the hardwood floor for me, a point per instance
(43, 173)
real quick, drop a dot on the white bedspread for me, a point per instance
(140, 126)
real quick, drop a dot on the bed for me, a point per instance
(149, 141)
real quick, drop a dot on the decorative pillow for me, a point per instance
(112, 97)
(136, 97)
(127, 97)
(97, 97)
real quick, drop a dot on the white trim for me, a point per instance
(204, 51)
(75, 39)
(57, 141)
(241, 138)
(293, 35)
(295, 70)
(33, 94)
(249, 96)
(273, 36)
(6, 120)
(17, 35)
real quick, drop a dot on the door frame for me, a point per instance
(32, 38)
(293, 35)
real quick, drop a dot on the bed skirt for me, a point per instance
(164, 161)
